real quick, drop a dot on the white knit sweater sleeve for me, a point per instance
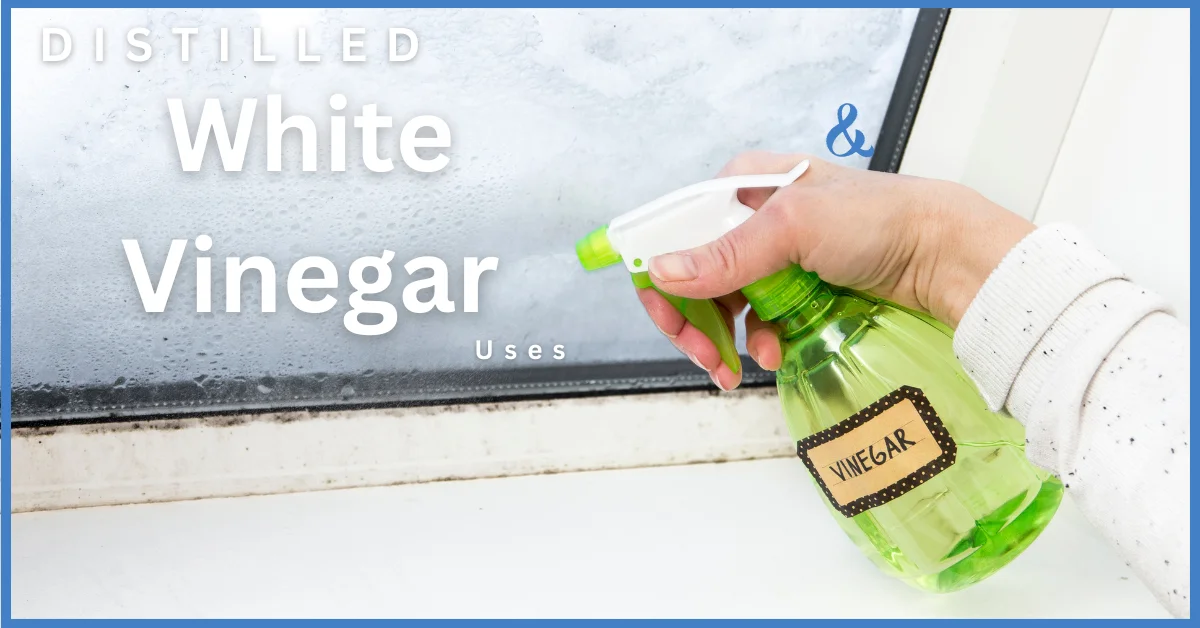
(1097, 368)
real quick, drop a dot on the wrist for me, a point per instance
(973, 236)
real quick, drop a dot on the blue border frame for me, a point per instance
(6, 327)
(6, 179)
(581, 4)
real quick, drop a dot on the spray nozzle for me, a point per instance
(686, 218)
(595, 251)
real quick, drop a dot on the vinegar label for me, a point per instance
(884, 451)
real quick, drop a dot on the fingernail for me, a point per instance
(674, 267)
(692, 357)
(717, 381)
(665, 332)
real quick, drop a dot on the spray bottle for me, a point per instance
(932, 486)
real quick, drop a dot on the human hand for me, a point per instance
(924, 244)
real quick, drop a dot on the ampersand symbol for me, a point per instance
(843, 128)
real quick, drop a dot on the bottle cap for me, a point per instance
(776, 294)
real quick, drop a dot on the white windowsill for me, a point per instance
(745, 539)
(581, 518)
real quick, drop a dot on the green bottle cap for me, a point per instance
(774, 295)
(595, 251)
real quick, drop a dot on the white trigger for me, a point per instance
(688, 217)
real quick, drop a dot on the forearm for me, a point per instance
(1099, 374)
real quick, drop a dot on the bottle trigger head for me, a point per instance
(595, 251)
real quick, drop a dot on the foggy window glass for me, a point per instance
(560, 121)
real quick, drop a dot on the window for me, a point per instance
(561, 120)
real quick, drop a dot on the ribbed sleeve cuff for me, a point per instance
(1028, 291)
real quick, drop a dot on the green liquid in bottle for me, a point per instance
(844, 351)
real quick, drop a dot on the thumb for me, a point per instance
(756, 248)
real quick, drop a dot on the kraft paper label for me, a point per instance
(884, 451)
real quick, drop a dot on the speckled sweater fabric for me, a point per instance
(1097, 368)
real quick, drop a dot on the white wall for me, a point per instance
(1123, 172)
(1000, 98)
(1075, 115)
